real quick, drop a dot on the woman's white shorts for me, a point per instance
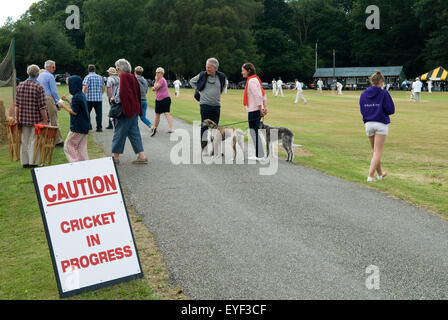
(373, 128)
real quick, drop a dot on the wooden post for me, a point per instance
(3, 131)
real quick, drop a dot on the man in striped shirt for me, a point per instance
(93, 88)
(31, 109)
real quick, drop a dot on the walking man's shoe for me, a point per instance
(99, 130)
(60, 145)
(140, 161)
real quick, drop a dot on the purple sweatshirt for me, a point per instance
(376, 105)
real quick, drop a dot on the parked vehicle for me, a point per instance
(61, 77)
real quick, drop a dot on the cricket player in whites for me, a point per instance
(429, 86)
(177, 85)
(320, 84)
(339, 87)
(299, 88)
(274, 87)
(279, 87)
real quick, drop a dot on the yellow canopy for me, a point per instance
(438, 74)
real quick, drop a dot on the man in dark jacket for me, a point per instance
(209, 86)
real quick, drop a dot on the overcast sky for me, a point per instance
(14, 9)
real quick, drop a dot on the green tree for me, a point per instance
(433, 17)
(398, 42)
(185, 33)
(114, 29)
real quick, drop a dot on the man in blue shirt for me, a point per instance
(93, 88)
(46, 80)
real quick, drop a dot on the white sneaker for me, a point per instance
(370, 179)
(254, 158)
(383, 176)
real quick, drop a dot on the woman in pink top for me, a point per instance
(163, 101)
(256, 106)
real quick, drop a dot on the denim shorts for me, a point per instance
(373, 128)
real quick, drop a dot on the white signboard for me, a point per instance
(87, 225)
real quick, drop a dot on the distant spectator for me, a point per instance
(138, 72)
(113, 81)
(31, 109)
(94, 89)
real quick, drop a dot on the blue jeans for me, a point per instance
(143, 117)
(127, 128)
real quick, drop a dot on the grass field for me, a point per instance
(26, 270)
(332, 132)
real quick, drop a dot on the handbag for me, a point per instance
(115, 111)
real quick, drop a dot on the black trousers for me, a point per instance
(254, 126)
(209, 112)
(98, 106)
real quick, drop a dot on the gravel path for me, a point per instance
(227, 232)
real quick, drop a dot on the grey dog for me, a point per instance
(284, 134)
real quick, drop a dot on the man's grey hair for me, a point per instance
(123, 65)
(48, 63)
(214, 62)
(33, 71)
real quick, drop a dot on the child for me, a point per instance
(75, 147)
(376, 107)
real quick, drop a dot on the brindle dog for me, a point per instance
(284, 134)
(219, 134)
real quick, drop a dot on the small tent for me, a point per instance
(438, 74)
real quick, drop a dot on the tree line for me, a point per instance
(278, 36)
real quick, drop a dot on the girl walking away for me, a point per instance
(376, 107)
(163, 101)
(75, 147)
(255, 103)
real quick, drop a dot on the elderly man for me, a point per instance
(54, 104)
(209, 85)
(93, 88)
(31, 109)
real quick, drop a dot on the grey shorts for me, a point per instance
(373, 128)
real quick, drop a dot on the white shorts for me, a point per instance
(373, 128)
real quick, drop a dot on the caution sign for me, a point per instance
(87, 225)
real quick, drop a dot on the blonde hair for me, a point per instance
(138, 70)
(161, 70)
(376, 78)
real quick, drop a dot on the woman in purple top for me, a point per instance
(163, 101)
(376, 107)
